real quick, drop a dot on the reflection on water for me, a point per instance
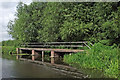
(57, 60)
(21, 69)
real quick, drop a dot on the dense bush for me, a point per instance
(6, 50)
(11, 43)
(99, 57)
(8, 47)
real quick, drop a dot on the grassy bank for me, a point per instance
(6, 50)
(100, 57)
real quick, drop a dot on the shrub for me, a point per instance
(6, 52)
(99, 56)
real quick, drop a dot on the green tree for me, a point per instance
(72, 21)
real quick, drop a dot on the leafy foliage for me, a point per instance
(43, 22)
(11, 43)
(6, 52)
(8, 47)
(99, 57)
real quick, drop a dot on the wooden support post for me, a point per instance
(18, 52)
(33, 55)
(52, 54)
(33, 52)
(17, 56)
(42, 56)
(52, 60)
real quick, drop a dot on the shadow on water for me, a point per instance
(92, 73)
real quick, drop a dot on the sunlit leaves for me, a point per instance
(39, 22)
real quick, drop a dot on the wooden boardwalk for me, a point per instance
(35, 49)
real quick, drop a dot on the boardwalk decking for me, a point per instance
(56, 50)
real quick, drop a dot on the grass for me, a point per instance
(100, 57)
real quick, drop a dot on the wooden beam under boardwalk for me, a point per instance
(56, 50)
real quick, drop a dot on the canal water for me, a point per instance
(24, 69)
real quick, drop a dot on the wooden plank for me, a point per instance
(42, 56)
(57, 42)
(56, 50)
(87, 45)
(54, 45)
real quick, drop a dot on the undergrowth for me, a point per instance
(100, 57)
(6, 50)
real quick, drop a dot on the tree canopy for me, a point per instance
(71, 21)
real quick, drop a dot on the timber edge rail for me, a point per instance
(58, 44)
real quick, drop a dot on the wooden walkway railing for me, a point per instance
(58, 44)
